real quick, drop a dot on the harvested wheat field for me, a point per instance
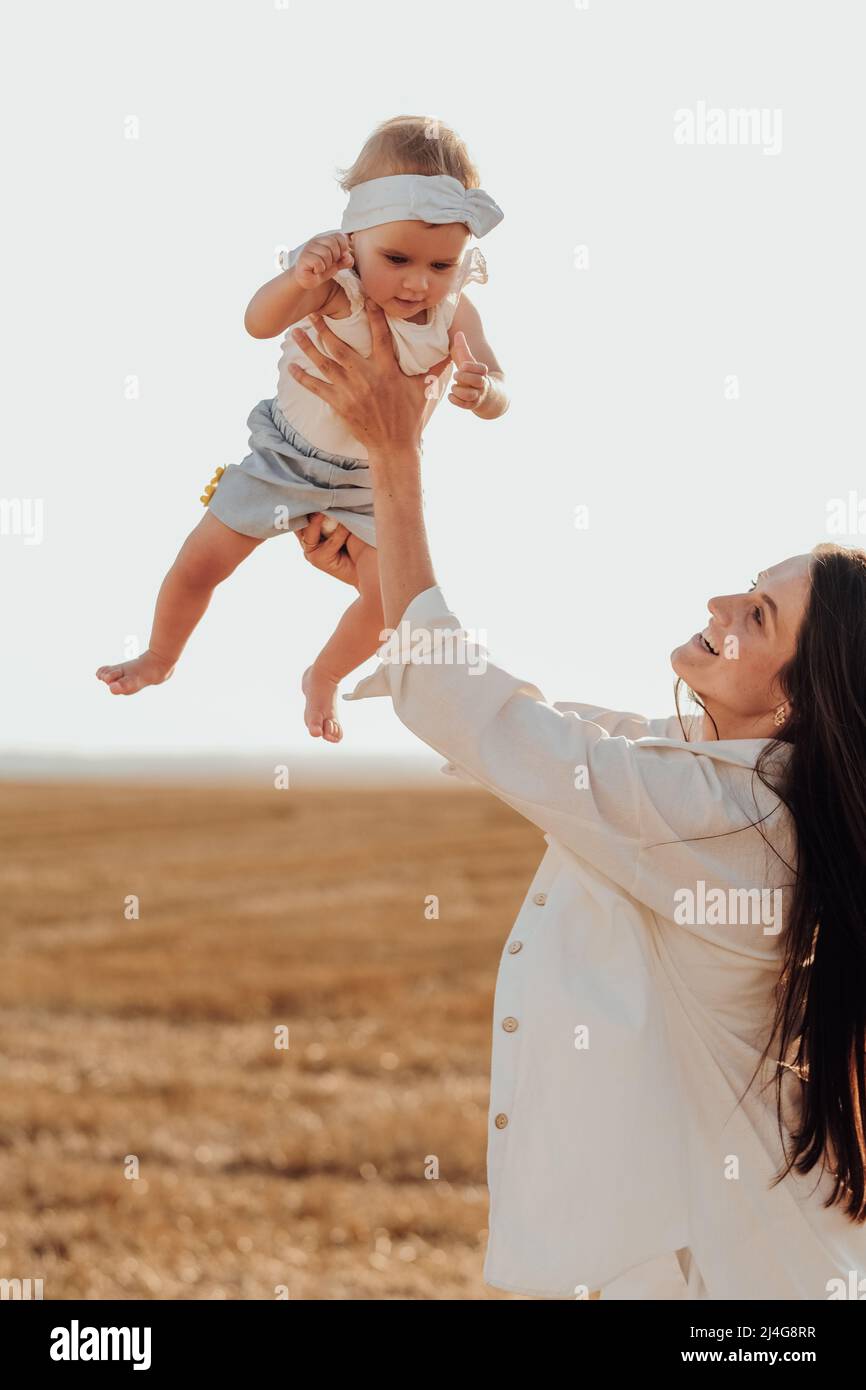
(157, 943)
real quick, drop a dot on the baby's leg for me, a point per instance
(355, 638)
(207, 556)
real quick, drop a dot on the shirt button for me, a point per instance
(514, 947)
(501, 1121)
(509, 1024)
(540, 898)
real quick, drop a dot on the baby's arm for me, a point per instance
(303, 290)
(495, 401)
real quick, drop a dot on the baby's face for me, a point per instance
(408, 267)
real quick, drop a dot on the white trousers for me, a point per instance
(667, 1277)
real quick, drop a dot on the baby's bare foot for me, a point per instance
(130, 676)
(319, 715)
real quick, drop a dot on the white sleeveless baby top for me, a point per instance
(419, 346)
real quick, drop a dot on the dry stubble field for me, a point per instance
(152, 1040)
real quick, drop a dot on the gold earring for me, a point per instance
(779, 717)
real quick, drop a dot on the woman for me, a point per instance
(677, 1084)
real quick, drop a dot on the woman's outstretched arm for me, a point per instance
(594, 792)
(384, 408)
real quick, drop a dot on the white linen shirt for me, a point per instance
(623, 1037)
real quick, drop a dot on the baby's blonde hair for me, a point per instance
(411, 145)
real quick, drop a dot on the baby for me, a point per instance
(414, 202)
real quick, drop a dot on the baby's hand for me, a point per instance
(322, 257)
(469, 386)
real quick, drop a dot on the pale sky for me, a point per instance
(680, 325)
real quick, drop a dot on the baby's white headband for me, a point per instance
(419, 198)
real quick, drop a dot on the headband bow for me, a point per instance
(419, 198)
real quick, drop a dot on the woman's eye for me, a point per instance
(756, 611)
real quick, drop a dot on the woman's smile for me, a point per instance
(755, 630)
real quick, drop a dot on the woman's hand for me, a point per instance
(328, 554)
(382, 406)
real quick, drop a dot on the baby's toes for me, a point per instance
(314, 719)
(127, 684)
(109, 673)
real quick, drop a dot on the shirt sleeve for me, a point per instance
(474, 268)
(624, 722)
(564, 773)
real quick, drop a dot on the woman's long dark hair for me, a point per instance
(820, 996)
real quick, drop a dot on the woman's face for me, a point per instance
(753, 634)
(408, 267)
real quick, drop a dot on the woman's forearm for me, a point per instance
(384, 408)
(405, 567)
